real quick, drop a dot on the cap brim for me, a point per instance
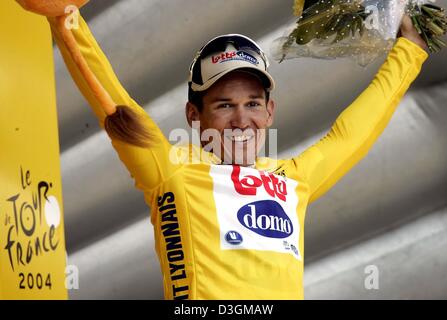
(265, 77)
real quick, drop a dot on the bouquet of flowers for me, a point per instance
(431, 23)
(361, 29)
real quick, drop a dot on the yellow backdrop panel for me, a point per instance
(32, 243)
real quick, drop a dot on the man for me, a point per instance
(230, 225)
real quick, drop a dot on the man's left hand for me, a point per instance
(407, 30)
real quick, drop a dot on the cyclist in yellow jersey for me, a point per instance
(228, 228)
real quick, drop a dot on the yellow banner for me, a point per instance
(32, 243)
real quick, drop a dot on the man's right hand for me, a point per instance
(50, 8)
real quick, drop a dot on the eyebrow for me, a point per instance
(254, 97)
(222, 99)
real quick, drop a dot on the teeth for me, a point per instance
(241, 138)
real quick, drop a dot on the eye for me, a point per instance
(253, 104)
(224, 106)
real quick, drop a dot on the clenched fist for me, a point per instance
(50, 8)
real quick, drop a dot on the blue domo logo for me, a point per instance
(266, 218)
(233, 237)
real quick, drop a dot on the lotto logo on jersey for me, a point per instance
(266, 218)
(248, 185)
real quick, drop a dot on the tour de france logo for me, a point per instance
(30, 217)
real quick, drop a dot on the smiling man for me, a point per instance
(238, 111)
(231, 226)
(229, 95)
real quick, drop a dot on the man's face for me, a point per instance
(236, 110)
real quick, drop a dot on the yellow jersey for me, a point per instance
(230, 232)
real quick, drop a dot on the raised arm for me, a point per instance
(358, 127)
(149, 166)
(97, 81)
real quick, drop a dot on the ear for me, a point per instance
(192, 113)
(271, 112)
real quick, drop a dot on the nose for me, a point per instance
(240, 118)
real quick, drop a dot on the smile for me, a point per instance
(241, 138)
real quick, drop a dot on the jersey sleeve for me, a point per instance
(358, 126)
(148, 166)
